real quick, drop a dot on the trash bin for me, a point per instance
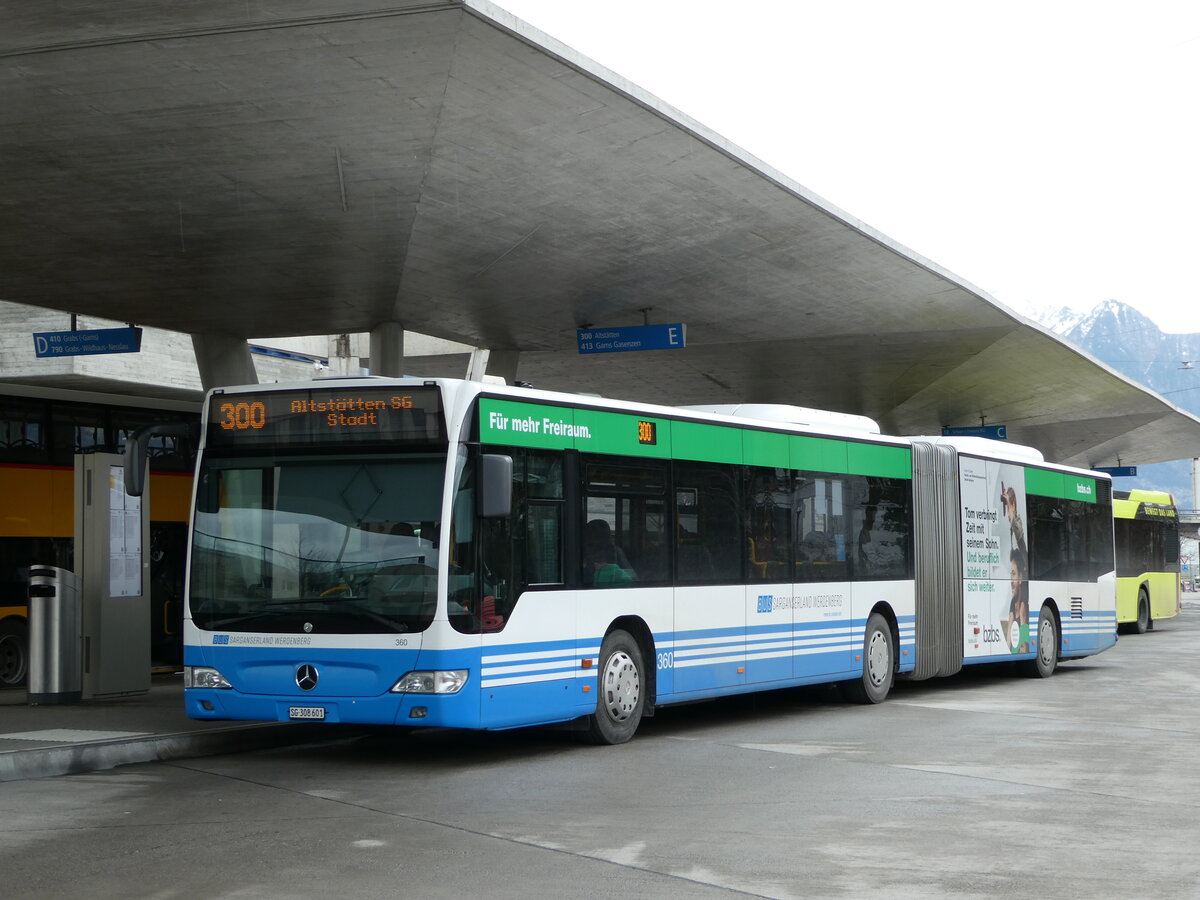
(55, 651)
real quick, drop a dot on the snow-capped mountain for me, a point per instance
(1120, 336)
(1060, 320)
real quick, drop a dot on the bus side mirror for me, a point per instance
(136, 451)
(495, 486)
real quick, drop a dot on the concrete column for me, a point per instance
(223, 360)
(387, 349)
(477, 364)
(504, 364)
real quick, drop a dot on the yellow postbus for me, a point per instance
(1147, 539)
(41, 430)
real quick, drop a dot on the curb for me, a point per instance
(44, 762)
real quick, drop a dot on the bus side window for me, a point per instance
(23, 431)
(542, 511)
(881, 514)
(769, 524)
(708, 516)
(521, 551)
(624, 523)
(820, 510)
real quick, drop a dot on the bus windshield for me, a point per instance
(329, 544)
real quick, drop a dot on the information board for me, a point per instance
(48, 344)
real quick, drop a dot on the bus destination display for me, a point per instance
(411, 414)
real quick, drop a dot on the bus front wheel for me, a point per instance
(622, 697)
(14, 652)
(1046, 661)
(1144, 623)
(879, 664)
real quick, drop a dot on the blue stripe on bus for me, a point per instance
(545, 681)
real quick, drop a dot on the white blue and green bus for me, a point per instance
(452, 553)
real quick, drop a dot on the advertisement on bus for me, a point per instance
(995, 558)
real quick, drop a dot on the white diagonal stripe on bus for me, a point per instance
(566, 665)
(528, 679)
(569, 653)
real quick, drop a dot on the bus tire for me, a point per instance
(14, 652)
(1143, 623)
(622, 695)
(1046, 661)
(879, 664)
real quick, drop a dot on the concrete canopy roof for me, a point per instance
(314, 167)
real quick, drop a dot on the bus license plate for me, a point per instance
(306, 712)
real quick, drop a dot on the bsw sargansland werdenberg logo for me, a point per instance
(306, 677)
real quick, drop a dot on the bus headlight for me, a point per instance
(204, 677)
(450, 681)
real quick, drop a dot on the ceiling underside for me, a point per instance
(319, 167)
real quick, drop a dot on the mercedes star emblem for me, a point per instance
(306, 677)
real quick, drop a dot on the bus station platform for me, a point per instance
(61, 739)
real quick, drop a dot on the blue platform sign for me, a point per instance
(992, 432)
(624, 338)
(48, 344)
(1117, 471)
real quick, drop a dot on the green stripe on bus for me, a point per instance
(525, 424)
(613, 432)
(1062, 485)
(766, 448)
(706, 443)
(880, 460)
(818, 454)
(519, 424)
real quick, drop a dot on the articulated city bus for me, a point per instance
(41, 430)
(449, 553)
(1147, 537)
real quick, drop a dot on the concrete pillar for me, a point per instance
(504, 364)
(223, 360)
(477, 364)
(387, 349)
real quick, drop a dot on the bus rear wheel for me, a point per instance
(1144, 623)
(879, 664)
(14, 652)
(622, 698)
(1046, 661)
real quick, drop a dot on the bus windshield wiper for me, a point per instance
(298, 604)
(244, 617)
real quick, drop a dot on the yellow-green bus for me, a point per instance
(1147, 537)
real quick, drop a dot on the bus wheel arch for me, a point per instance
(637, 628)
(1144, 621)
(14, 651)
(623, 686)
(1049, 639)
(881, 642)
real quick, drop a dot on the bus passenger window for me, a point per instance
(604, 562)
(881, 512)
(624, 525)
(708, 541)
(769, 524)
(820, 529)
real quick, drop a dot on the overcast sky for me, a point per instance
(1046, 152)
